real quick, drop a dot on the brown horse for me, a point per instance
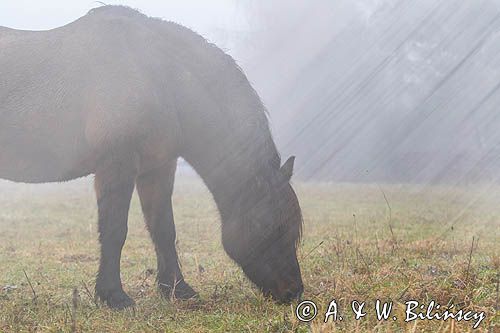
(123, 96)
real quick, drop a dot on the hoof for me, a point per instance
(181, 291)
(116, 299)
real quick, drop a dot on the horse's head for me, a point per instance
(263, 231)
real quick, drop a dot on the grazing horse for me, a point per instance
(122, 96)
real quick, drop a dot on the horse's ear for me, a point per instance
(287, 168)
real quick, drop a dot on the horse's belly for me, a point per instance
(37, 164)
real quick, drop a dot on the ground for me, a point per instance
(360, 242)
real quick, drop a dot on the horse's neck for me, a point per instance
(223, 169)
(229, 159)
(226, 135)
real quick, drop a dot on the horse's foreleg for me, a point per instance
(114, 185)
(155, 191)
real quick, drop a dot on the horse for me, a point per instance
(122, 96)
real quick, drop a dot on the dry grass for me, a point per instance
(48, 260)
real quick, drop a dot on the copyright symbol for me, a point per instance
(306, 311)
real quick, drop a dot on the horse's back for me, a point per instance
(71, 93)
(114, 78)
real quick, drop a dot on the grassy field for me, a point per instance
(361, 242)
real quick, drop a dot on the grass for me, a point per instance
(357, 246)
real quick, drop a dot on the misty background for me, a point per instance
(359, 90)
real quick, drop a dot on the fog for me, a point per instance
(394, 91)
(359, 90)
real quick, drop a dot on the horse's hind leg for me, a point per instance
(114, 185)
(155, 191)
